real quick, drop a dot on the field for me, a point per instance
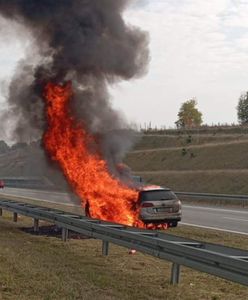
(216, 163)
(43, 267)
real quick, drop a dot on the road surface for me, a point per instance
(67, 199)
(218, 218)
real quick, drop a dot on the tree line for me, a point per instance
(189, 116)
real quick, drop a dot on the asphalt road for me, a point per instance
(218, 218)
(67, 199)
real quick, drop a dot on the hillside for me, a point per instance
(30, 161)
(152, 141)
(200, 162)
(216, 163)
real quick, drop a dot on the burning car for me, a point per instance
(64, 96)
(159, 205)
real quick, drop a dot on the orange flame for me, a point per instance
(75, 150)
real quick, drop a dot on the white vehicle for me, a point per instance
(159, 205)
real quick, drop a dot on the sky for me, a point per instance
(198, 49)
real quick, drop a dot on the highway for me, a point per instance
(210, 217)
(233, 220)
(67, 199)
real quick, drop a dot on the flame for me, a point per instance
(68, 143)
(159, 226)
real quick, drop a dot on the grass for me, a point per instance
(212, 236)
(205, 129)
(225, 156)
(216, 163)
(182, 140)
(200, 181)
(38, 267)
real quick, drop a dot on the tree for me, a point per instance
(242, 108)
(189, 116)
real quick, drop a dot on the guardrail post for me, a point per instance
(1, 212)
(36, 225)
(65, 232)
(105, 248)
(175, 273)
(15, 216)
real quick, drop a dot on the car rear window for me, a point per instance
(157, 195)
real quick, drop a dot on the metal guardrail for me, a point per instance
(225, 262)
(243, 198)
(26, 182)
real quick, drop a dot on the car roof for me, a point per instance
(153, 188)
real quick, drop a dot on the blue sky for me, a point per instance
(198, 49)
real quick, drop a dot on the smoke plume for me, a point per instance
(87, 42)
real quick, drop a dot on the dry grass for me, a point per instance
(162, 141)
(212, 163)
(36, 267)
(201, 181)
(226, 156)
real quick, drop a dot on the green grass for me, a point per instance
(38, 267)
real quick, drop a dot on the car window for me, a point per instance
(157, 195)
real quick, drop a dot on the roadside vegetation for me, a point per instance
(157, 141)
(194, 162)
(203, 129)
(43, 267)
(225, 156)
(189, 116)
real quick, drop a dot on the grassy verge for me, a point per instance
(200, 181)
(161, 141)
(38, 267)
(219, 167)
(224, 156)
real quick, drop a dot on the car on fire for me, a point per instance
(159, 205)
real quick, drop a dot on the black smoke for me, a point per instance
(87, 42)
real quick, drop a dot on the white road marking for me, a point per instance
(216, 209)
(214, 228)
(236, 219)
